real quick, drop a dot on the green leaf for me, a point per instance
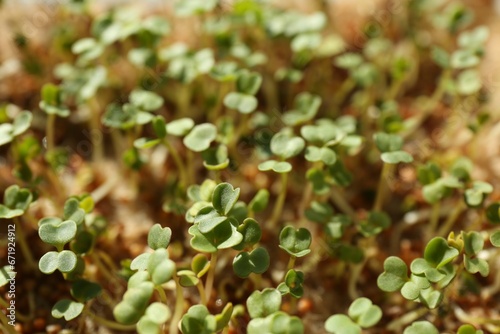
(468, 329)
(83, 290)
(396, 157)
(58, 234)
(159, 313)
(83, 242)
(65, 261)
(187, 278)
(159, 126)
(5, 275)
(215, 158)
(68, 309)
(464, 58)
(476, 195)
(364, 313)
(145, 143)
(200, 137)
(140, 262)
(394, 276)
(276, 166)
(256, 261)
(469, 82)
(21, 123)
(224, 198)
(208, 218)
(72, 211)
(224, 235)
(16, 200)
(145, 100)
(244, 103)
(180, 127)
(473, 242)
(159, 237)
(160, 267)
(306, 106)
(6, 134)
(341, 324)
(260, 201)
(421, 327)
(376, 223)
(134, 303)
(224, 317)
(348, 60)
(324, 154)
(251, 232)
(431, 298)
(387, 142)
(319, 181)
(285, 145)
(198, 320)
(295, 242)
(476, 265)
(495, 238)
(261, 304)
(493, 213)
(438, 253)
(294, 281)
(248, 82)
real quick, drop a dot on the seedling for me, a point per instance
(362, 314)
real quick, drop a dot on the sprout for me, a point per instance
(362, 314)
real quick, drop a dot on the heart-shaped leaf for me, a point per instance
(495, 238)
(180, 127)
(438, 253)
(134, 303)
(83, 290)
(421, 327)
(65, 261)
(16, 200)
(160, 267)
(276, 166)
(476, 265)
(293, 283)
(261, 304)
(244, 103)
(260, 201)
(364, 313)
(396, 157)
(198, 320)
(159, 237)
(387, 142)
(224, 235)
(248, 82)
(58, 234)
(72, 211)
(431, 298)
(224, 197)
(324, 154)
(145, 100)
(187, 278)
(21, 123)
(68, 309)
(256, 261)
(224, 317)
(140, 262)
(285, 145)
(208, 218)
(341, 324)
(295, 242)
(200, 137)
(394, 276)
(251, 232)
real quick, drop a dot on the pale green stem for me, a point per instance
(381, 189)
(433, 223)
(50, 131)
(201, 291)
(211, 275)
(452, 218)
(23, 244)
(95, 126)
(346, 87)
(179, 308)
(102, 268)
(181, 168)
(341, 203)
(108, 323)
(280, 202)
(163, 295)
(5, 321)
(290, 265)
(355, 272)
(397, 324)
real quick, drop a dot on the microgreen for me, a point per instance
(362, 314)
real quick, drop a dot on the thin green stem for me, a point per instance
(211, 275)
(181, 168)
(95, 126)
(280, 202)
(452, 218)
(346, 87)
(163, 295)
(341, 203)
(201, 291)
(381, 189)
(179, 307)
(433, 223)
(289, 266)
(50, 131)
(108, 323)
(21, 240)
(355, 272)
(397, 324)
